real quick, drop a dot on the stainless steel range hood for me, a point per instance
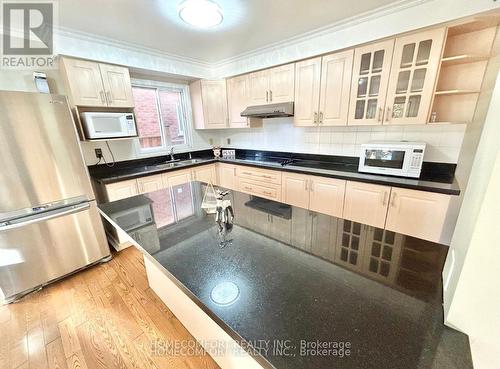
(269, 111)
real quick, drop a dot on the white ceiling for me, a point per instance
(247, 25)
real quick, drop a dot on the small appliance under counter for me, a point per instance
(279, 277)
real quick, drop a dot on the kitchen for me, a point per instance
(320, 196)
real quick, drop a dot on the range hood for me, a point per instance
(269, 111)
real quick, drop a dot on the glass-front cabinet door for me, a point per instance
(369, 83)
(413, 75)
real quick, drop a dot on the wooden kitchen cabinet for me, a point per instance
(271, 86)
(150, 183)
(209, 102)
(420, 214)
(307, 87)
(176, 178)
(117, 86)
(97, 84)
(237, 101)
(326, 195)
(371, 72)
(205, 173)
(121, 190)
(336, 73)
(366, 203)
(415, 64)
(227, 176)
(295, 189)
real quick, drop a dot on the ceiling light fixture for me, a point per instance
(200, 13)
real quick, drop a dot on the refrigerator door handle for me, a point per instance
(45, 216)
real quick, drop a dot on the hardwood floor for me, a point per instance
(104, 317)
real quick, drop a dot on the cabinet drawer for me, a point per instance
(272, 192)
(268, 176)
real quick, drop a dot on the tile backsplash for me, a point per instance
(443, 141)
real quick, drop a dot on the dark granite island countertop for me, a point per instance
(289, 289)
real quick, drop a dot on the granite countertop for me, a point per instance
(435, 177)
(289, 288)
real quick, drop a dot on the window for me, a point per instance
(160, 112)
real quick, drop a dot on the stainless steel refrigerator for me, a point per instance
(49, 223)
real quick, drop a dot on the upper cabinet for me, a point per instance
(322, 89)
(209, 102)
(414, 69)
(97, 84)
(272, 86)
(237, 101)
(371, 74)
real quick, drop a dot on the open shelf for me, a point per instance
(462, 59)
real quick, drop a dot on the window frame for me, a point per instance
(183, 109)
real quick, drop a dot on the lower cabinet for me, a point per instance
(366, 203)
(150, 183)
(320, 194)
(176, 178)
(205, 173)
(121, 190)
(417, 213)
(265, 190)
(227, 176)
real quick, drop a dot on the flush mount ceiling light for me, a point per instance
(200, 13)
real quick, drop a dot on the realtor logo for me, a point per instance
(28, 32)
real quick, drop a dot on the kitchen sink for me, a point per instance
(193, 161)
(168, 165)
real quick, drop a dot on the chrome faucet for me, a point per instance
(171, 153)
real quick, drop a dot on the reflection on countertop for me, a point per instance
(303, 276)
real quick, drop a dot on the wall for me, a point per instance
(472, 291)
(444, 141)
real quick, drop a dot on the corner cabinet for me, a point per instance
(370, 78)
(96, 84)
(415, 65)
(209, 103)
(237, 101)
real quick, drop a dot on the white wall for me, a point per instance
(472, 290)
(444, 141)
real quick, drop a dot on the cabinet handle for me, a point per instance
(388, 114)
(108, 96)
(270, 95)
(320, 117)
(315, 117)
(268, 193)
(393, 199)
(234, 171)
(267, 96)
(306, 185)
(102, 97)
(311, 185)
(380, 112)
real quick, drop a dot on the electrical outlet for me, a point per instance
(228, 141)
(98, 153)
(211, 141)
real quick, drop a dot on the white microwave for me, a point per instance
(402, 159)
(108, 125)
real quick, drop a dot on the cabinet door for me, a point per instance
(237, 97)
(205, 173)
(150, 183)
(413, 75)
(258, 85)
(366, 203)
(227, 176)
(84, 82)
(295, 189)
(327, 196)
(121, 190)
(176, 178)
(281, 84)
(307, 83)
(417, 213)
(371, 73)
(336, 73)
(214, 98)
(117, 86)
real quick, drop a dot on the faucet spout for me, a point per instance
(171, 153)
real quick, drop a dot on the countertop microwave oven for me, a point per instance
(101, 125)
(400, 158)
